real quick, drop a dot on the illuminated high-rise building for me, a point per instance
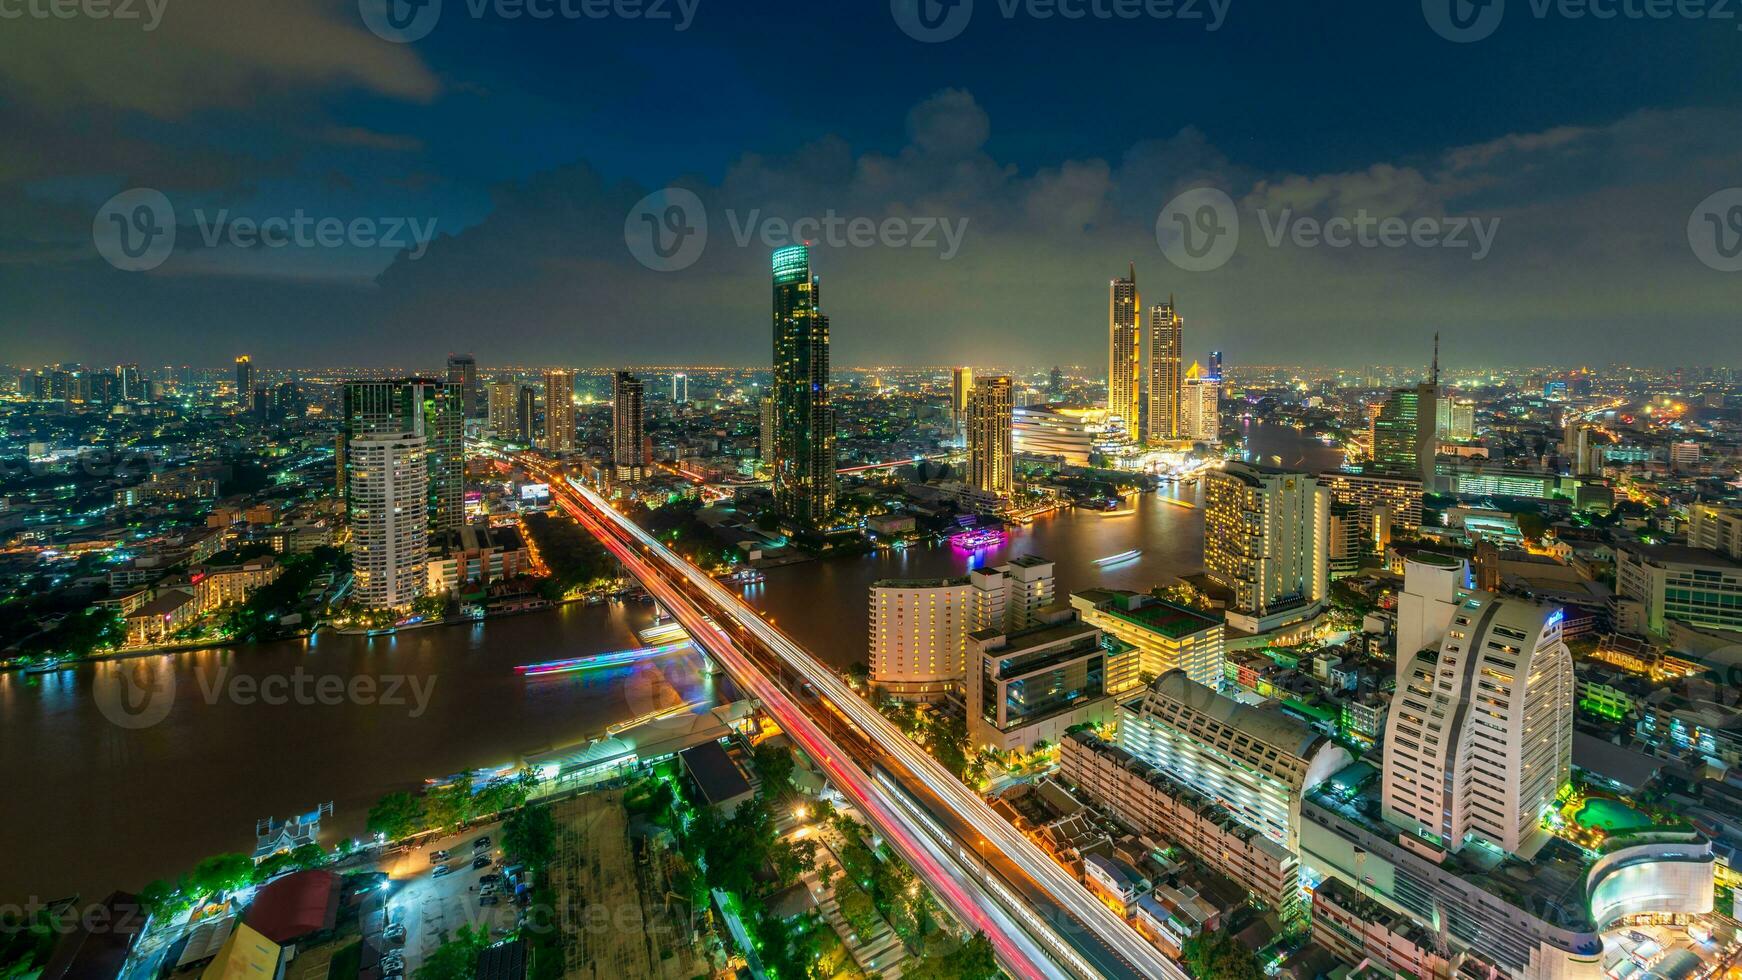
(504, 409)
(244, 380)
(387, 483)
(422, 407)
(804, 416)
(132, 384)
(463, 371)
(1124, 356)
(961, 386)
(1166, 334)
(628, 427)
(1200, 403)
(680, 388)
(1479, 740)
(559, 411)
(1266, 539)
(919, 635)
(526, 414)
(1404, 437)
(765, 428)
(991, 458)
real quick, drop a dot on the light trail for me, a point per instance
(1015, 948)
(599, 661)
(1064, 890)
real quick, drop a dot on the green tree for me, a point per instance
(449, 805)
(397, 816)
(972, 960)
(529, 836)
(775, 764)
(1218, 956)
(456, 959)
(219, 873)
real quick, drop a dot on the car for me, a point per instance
(489, 900)
(482, 861)
(393, 970)
(392, 964)
(443, 869)
(437, 857)
(481, 843)
(395, 934)
(492, 878)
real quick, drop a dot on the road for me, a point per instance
(692, 590)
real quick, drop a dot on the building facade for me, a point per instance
(919, 635)
(804, 415)
(991, 455)
(628, 427)
(1030, 685)
(1266, 533)
(559, 412)
(1166, 339)
(1200, 402)
(389, 482)
(425, 408)
(1124, 356)
(1167, 637)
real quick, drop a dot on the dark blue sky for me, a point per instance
(528, 143)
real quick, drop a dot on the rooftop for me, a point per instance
(1681, 554)
(1266, 725)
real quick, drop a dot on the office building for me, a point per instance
(463, 373)
(1167, 637)
(1715, 527)
(1480, 737)
(1356, 928)
(1660, 585)
(1258, 761)
(1166, 336)
(1433, 588)
(559, 411)
(1576, 447)
(1403, 437)
(389, 481)
(1347, 541)
(244, 381)
(1200, 407)
(765, 430)
(991, 454)
(1011, 596)
(680, 388)
(526, 413)
(628, 428)
(503, 412)
(1383, 501)
(1123, 353)
(1068, 436)
(1455, 420)
(1266, 536)
(1030, 685)
(132, 384)
(424, 408)
(961, 387)
(804, 416)
(919, 635)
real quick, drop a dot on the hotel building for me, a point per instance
(1266, 535)
(1167, 637)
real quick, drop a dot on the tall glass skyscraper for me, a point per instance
(419, 407)
(1124, 356)
(804, 416)
(1166, 337)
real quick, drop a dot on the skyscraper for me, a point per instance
(1166, 333)
(559, 411)
(1123, 353)
(990, 454)
(1404, 441)
(463, 371)
(526, 414)
(244, 381)
(132, 385)
(962, 385)
(628, 427)
(504, 409)
(422, 407)
(680, 388)
(1480, 736)
(804, 417)
(1200, 407)
(765, 428)
(388, 481)
(1266, 533)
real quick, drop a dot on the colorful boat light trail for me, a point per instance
(599, 661)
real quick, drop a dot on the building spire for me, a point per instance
(1436, 368)
(1134, 273)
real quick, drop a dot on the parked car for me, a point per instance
(443, 869)
(493, 878)
(395, 934)
(481, 861)
(437, 857)
(481, 843)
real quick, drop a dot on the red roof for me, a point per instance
(295, 906)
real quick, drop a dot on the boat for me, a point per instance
(46, 667)
(985, 537)
(1120, 558)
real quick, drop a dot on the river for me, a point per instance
(91, 805)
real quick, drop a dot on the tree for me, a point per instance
(775, 764)
(456, 959)
(529, 836)
(1218, 956)
(219, 873)
(396, 816)
(448, 805)
(973, 960)
(856, 906)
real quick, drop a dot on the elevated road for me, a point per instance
(1080, 931)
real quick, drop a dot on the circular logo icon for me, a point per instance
(136, 693)
(1715, 230)
(135, 230)
(400, 21)
(1198, 230)
(932, 21)
(667, 230)
(1463, 21)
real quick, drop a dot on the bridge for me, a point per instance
(1041, 921)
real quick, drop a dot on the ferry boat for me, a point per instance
(46, 667)
(975, 540)
(1120, 558)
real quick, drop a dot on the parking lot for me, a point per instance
(433, 908)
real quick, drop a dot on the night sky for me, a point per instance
(1595, 143)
